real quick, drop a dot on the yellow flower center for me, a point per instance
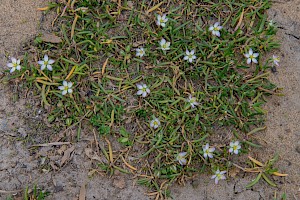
(141, 52)
(155, 123)
(190, 56)
(216, 29)
(66, 87)
(234, 147)
(251, 56)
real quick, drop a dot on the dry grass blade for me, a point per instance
(82, 193)
(240, 21)
(73, 26)
(50, 144)
(256, 161)
(154, 7)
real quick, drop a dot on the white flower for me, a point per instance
(219, 175)
(140, 52)
(155, 123)
(251, 57)
(190, 55)
(208, 151)
(164, 44)
(271, 23)
(276, 60)
(234, 147)
(216, 29)
(15, 64)
(46, 63)
(192, 101)
(161, 20)
(143, 90)
(66, 87)
(180, 158)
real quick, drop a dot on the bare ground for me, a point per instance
(20, 22)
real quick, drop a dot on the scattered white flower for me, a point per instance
(14, 65)
(215, 29)
(155, 123)
(190, 55)
(234, 147)
(164, 44)
(143, 90)
(219, 175)
(208, 151)
(140, 52)
(192, 101)
(251, 57)
(271, 23)
(161, 20)
(46, 63)
(276, 60)
(66, 87)
(181, 158)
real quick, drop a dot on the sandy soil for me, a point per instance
(20, 22)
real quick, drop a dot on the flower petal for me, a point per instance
(12, 69)
(64, 92)
(10, 65)
(65, 83)
(139, 86)
(46, 58)
(51, 61)
(139, 92)
(254, 60)
(144, 94)
(61, 87)
(18, 67)
(250, 51)
(70, 91)
(216, 180)
(43, 67)
(13, 60)
(248, 60)
(70, 84)
(182, 161)
(255, 55)
(41, 62)
(49, 67)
